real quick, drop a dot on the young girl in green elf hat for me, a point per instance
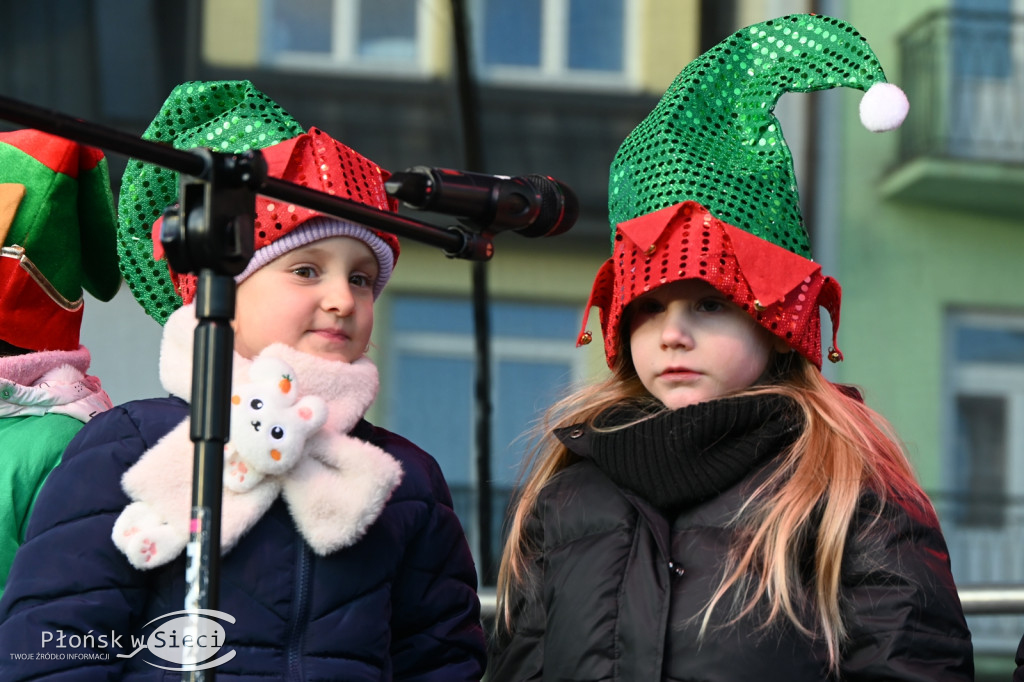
(717, 510)
(58, 231)
(342, 558)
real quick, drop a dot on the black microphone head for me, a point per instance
(559, 209)
(413, 186)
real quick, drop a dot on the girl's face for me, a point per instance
(317, 299)
(690, 344)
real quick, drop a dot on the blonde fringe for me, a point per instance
(845, 449)
(545, 459)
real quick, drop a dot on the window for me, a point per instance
(325, 34)
(556, 40)
(983, 519)
(430, 391)
(987, 409)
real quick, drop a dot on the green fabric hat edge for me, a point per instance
(713, 137)
(226, 116)
(66, 223)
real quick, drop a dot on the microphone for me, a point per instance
(532, 205)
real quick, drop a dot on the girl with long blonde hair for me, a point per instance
(716, 509)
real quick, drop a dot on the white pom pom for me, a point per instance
(883, 107)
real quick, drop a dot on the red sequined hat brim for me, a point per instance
(780, 290)
(318, 161)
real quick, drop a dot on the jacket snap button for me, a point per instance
(676, 568)
(576, 433)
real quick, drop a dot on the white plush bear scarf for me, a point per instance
(290, 417)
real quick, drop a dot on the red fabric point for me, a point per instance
(771, 271)
(56, 153)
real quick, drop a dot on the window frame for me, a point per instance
(344, 55)
(554, 53)
(1003, 380)
(460, 346)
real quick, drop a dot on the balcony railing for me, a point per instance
(964, 75)
(962, 144)
(984, 534)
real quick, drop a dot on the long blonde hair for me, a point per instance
(844, 450)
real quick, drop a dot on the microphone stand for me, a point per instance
(456, 241)
(210, 233)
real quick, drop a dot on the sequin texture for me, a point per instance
(711, 155)
(713, 137)
(234, 117)
(227, 116)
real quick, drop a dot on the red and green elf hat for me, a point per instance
(58, 229)
(235, 117)
(704, 187)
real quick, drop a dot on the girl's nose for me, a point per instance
(677, 328)
(338, 298)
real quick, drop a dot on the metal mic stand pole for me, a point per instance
(211, 234)
(469, 113)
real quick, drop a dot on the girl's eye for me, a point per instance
(360, 280)
(305, 271)
(710, 305)
(649, 306)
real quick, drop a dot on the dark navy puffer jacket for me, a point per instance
(400, 604)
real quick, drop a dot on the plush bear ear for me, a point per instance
(312, 410)
(274, 371)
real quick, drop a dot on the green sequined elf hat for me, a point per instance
(57, 229)
(234, 117)
(704, 186)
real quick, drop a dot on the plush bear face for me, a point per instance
(269, 422)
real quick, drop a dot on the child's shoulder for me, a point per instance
(140, 421)
(39, 441)
(582, 485)
(421, 474)
(43, 429)
(149, 414)
(87, 482)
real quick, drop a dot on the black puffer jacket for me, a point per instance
(619, 581)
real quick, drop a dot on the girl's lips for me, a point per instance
(332, 334)
(679, 374)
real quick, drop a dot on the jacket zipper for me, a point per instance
(300, 612)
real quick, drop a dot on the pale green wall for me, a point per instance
(903, 265)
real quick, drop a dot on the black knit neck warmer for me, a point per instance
(680, 458)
